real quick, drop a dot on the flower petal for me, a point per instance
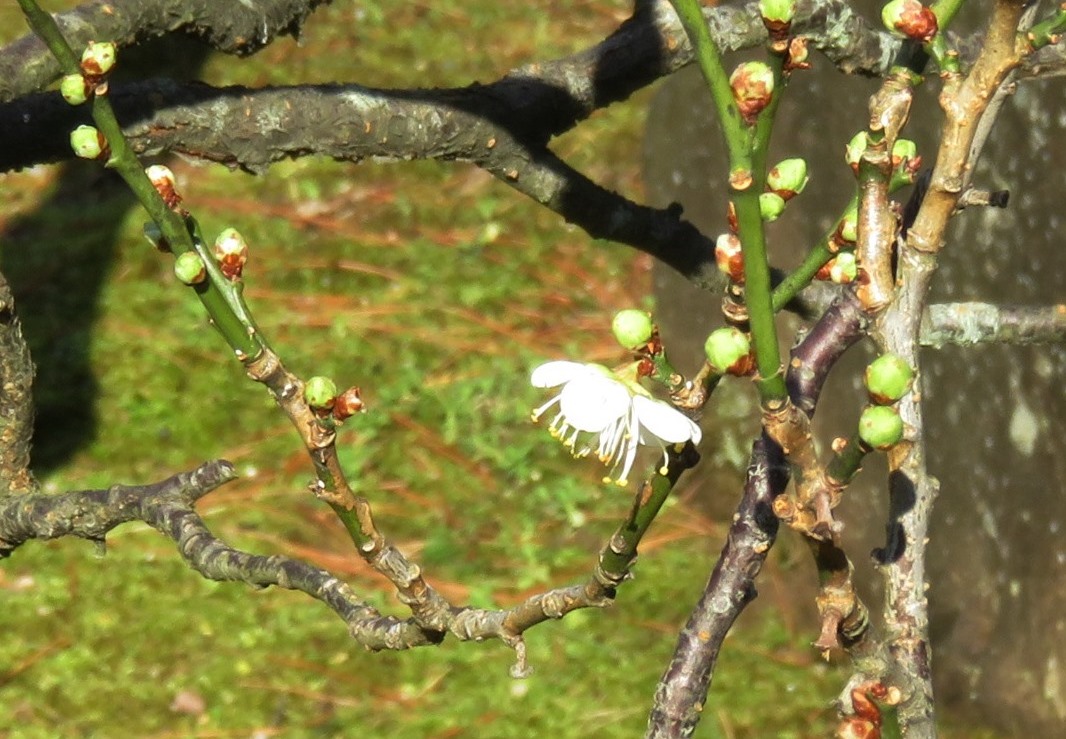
(592, 402)
(552, 374)
(665, 421)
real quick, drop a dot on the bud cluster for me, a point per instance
(321, 395)
(888, 378)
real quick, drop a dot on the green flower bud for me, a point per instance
(854, 150)
(843, 269)
(779, 11)
(880, 426)
(87, 142)
(902, 150)
(888, 378)
(753, 86)
(74, 89)
(788, 177)
(98, 58)
(320, 392)
(189, 268)
(727, 349)
(771, 206)
(632, 328)
(909, 19)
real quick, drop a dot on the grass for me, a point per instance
(368, 275)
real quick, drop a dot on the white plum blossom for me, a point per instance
(613, 407)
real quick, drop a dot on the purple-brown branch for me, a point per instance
(683, 688)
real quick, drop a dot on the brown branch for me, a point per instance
(234, 27)
(16, 400)
(682, 690)
(912, 489)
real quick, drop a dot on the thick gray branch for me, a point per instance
(984, 323)
(231, 26)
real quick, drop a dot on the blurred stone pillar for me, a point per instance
(996, 414)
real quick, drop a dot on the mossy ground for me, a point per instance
(382, 276)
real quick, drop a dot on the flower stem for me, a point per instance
(747, 146)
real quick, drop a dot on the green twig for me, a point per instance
(746, 148)
(123, 160)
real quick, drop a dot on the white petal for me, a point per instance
(551, 374)
(665, 421)
(592, 402)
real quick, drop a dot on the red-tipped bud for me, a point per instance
(231, 253)
(728, 350)
(347, 404)
(98, 59)
(729, 257)
(798, 54)
(162, 180)
(910, 19)
(753, 87)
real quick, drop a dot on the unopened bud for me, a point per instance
(771, 206)
(74, 89)
(231, 253)
(781, 11)
(854, 150)
(880, 426)
(190, 268)
(902, 150)
(88, 143)
(348, 403)
(910, 19)
(632, 328)
(753, 87)
(320, 392)
(162, 180)
(729, 256)
(888, 378)
(849, 226)
(843, 268)
(98, 58)
(728, 349)
(788, 178)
